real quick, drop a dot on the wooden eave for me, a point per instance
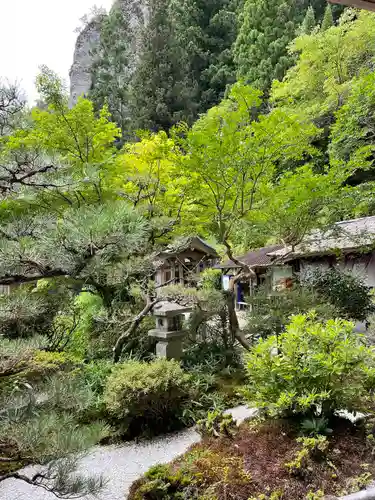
(358, 4)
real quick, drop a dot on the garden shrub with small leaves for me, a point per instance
(44, 363)
(346, 292)
(312, 448)
(217, 424)
(146, 397)
(200, 474)
(313, 368)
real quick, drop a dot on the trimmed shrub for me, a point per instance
(211, 356)
(271, 311)
(310, 369)
(42, 363)
(346, 292)
(146, 397)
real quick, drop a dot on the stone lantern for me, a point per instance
(169, 318)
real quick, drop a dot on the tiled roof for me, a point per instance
(255, 258)
(359, 4)
(345, 236)
(186, 243)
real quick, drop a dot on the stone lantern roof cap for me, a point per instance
(170, 309)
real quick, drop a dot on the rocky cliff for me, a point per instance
(137, 11)
(80, 72)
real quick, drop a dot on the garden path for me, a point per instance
(121, 465)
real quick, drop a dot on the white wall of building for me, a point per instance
(362, 266)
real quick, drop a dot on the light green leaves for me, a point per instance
(319, 367)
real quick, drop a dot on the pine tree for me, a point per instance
(112, 69)
(327, 19)
(309, 22)
(186, 62)
(157, 90)
(266, 29)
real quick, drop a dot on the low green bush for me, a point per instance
(271, 311)
(161, 482)
(146, 397)
(217, 424)
(313, 368)
(96, 374)
(211, 356)
(346, 292)
(42, 363)
(201, 474)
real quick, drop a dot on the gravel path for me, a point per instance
(120, 465)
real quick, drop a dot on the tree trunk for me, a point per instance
(234, 327)
(150, 304)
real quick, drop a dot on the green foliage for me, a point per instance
(312, 448)
(185, 62)
(77, 134)
(43, 439)
(355, 122)
(148, 175)
(309, 21)
(211, 355)
(210, 279)
(327, 19)
(250, 155)
(95, 374)
(30, 309)
(271, 311)
(161, 482)
(24, 314)
(315, 426)
(312, 365)
(111, 74)
(146, 396)
(315, 495)
(328, 60)
(109, 325)
(346, 292)
(307, 198)
(40, 423)
(43, 363)
(88, 307)
(192, 476)
(217, 424)
(265, 32)
(206, 394)
(357, 483)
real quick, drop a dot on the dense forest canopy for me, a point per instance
(184, 59)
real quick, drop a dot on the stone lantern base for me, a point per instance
(169, 344)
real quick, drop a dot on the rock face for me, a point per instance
(139, 17)
(80, 72)
(137, 11)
